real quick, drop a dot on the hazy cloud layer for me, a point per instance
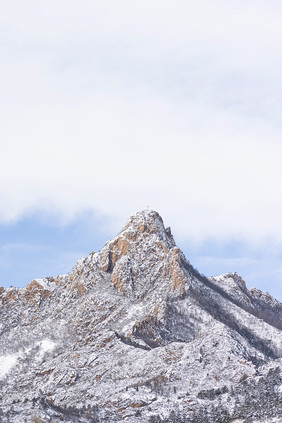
(113, 106)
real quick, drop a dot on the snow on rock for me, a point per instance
(134, 333)
(46, 345)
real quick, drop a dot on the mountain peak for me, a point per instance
(143, 239)
(148, 222)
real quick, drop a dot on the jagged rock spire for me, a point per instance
(148, 222)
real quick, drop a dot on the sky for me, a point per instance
(110, 107)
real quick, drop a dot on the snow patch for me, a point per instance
(45, 346)
(6, 364)
(46, 284)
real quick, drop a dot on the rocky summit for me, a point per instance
(135, 334)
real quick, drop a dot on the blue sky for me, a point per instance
(107, 107)
(36, 246)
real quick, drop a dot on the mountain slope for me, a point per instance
(135, 334)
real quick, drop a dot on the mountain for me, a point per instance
(135, 334)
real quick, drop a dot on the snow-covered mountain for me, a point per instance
(135, 334)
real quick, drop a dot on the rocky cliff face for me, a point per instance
(134, 333)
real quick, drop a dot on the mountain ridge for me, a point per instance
(134, 333)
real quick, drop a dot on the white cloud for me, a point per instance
(115, 106)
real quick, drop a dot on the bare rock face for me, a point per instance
(134, 333)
